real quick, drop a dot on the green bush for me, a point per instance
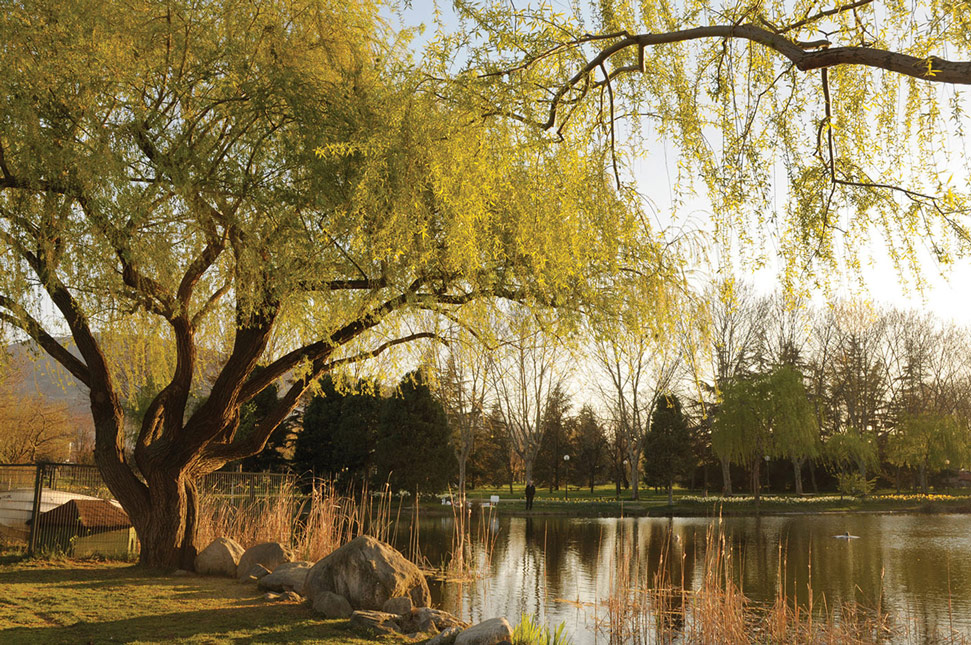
(855, 484)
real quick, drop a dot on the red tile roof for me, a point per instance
(87, 513)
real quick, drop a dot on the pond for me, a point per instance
(915, 567)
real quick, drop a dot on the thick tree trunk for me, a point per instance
(634, 456)
(528, 468)
(797, 474)
(726, 478)
(670, 493)
(923, 478)
(756, 480)
(167, 530)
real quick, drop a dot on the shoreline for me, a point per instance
(582, 509)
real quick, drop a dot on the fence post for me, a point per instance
(35, 511)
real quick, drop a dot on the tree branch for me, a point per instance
(932, 68)
(25, 322)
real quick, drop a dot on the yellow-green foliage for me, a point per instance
(822, 173)
(307, 146)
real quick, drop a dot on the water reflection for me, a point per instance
(917, 567)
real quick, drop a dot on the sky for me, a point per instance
(947, 290)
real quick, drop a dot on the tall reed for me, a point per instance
(640, 610)
(312, 524)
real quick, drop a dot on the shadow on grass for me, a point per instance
(41, 572)
(88, 603)
(278, 623)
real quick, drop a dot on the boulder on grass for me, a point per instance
(400, 606)
(269, 554)
(427, 619)
(219, 558)
(445, 637)
(289, 576)
(331, 605)
(488, 632)
(254, 574)
(377, 622)
(367, 572)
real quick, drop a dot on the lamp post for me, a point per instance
(766, 473)
(566, 477)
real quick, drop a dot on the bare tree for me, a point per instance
(735, 328)
(640, 362)
(462, 387)
(787, 344)
(928, 406)
(525, 371)
(858, 384)
(34, 429)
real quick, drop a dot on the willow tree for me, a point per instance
(272, 187)
(762, 416)
(822, 125)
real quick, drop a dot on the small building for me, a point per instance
(86, 527)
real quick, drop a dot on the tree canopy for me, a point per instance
(765, 415)
(269, 192)
(272, 185)
(818, 126)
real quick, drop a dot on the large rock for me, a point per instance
(269, 554)
(377, 622)
(400, 606)
(288, 576)
(219, 558)
(367, 572)
(488, 632)
(331, 605)
(254, 574)
(428, 619)
(445, 637)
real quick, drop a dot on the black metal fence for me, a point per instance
(68, 509)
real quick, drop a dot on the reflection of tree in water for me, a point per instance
(652, 565)
(539, 561)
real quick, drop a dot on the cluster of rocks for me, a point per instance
(365, 581)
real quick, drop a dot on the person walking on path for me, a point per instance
(530, 494)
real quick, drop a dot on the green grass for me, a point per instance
(97, 602)
(602, 501)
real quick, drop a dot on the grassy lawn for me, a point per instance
(97, 602)
(602, 501)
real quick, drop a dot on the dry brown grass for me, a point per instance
(660, 610)
(313, 524)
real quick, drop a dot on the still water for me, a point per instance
(562, 570)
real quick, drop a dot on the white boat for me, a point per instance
(17, 505)
(846, 536)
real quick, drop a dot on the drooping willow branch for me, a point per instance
(804, 56)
